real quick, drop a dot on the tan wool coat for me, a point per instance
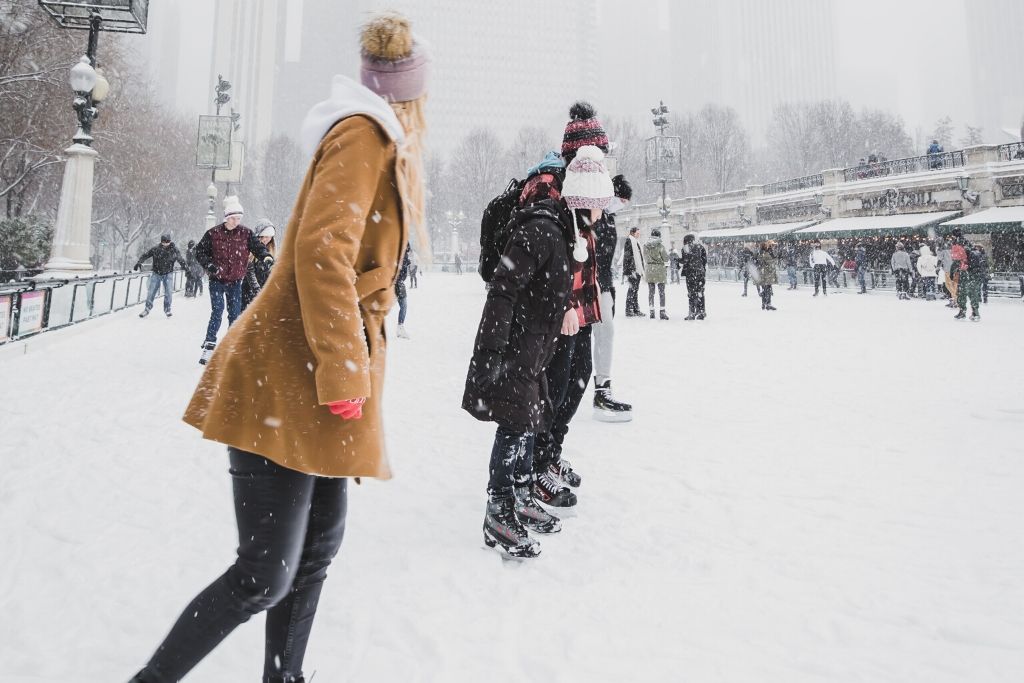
(315, 334)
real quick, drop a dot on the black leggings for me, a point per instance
(695, 294)
(568, 375)
(820, 278)
(290, 527)
(650, 293)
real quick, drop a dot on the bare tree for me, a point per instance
(724, 146)
(973, 135)
(476, 174)
(279, 167)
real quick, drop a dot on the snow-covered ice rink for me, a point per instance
(831, 492)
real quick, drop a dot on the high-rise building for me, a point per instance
(492, 68)
(752, 56)
(997, 56)
(246, 44)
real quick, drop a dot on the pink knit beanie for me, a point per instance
(395, 64)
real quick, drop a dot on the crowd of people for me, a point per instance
(293, 390)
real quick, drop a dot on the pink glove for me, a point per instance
(348, 410)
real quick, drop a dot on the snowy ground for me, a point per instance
(831, 492)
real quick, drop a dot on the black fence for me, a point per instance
(30, 308)
(1012, 152)
(928, 162)
(794, 184)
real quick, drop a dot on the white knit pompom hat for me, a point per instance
(232, 207)
(587, 185)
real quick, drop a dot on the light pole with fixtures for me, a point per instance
(455, 219)
(69, 255)
(664, 160)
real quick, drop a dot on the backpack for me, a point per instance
(976, 262)
(496, 227)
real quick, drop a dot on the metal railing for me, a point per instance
(31, 308)
(1013, 151)
(794, 184)
(928, 162)
(1000, 284)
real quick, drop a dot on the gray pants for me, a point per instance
(604, 338)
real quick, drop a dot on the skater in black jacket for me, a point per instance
(694, 265)
(164, 256)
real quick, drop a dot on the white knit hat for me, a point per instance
(264, 228)
(232, 207)
(587, 184)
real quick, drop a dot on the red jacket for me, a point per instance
(959, 254)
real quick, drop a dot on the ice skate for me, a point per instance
(144, 313)
(606, 408)
(549, 489)
(533, 516)
(664, 315)
(503, 528)
(208, 348)
(960, 316)
(562, 470)
(402, 334)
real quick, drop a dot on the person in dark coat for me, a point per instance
(257, 272)
(519, 329)
(745, 258)
(673, 265)
(633, 271)
(402, 293)
(694, 265)
(767, 274)
(193, 272)
(860, 257)
(791, 258)
(164, 256)
(223, 252)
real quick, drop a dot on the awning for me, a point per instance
(875, 226)
(752, 233)
(996, 219)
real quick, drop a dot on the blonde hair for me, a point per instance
(410, 171)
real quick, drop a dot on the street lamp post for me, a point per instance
(214, 143)
(69, 255)
(455, 219)
(664, 160)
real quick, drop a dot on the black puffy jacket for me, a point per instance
(521, 321)
(163, 257)
(693, 265)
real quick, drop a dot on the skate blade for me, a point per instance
(509, 554)
(608, 416)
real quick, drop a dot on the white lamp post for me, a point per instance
(211, 194)
(72, 231)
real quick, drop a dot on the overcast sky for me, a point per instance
(907, 56)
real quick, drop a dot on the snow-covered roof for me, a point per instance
(751, 233)
(868, 224)
(997, 214)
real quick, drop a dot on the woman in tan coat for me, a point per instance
(294, 390)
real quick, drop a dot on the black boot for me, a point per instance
(532, 515)
(502, 527)
(607, 409)
(664, 315)
(208, 348)
(652, 314)
(550, 490)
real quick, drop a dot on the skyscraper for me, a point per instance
(491, 68)
(752, 56)
(997, 57)
(246, 44)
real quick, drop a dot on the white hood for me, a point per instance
(348, 98)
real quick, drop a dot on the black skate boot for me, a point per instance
(549, 489)
(502, 527)
(208, 348)
(533, 516)
(664, 315)
(960, 316)
(652, 314)
(562, 470)
(975, 316)
(607, 409)
(690, 315)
